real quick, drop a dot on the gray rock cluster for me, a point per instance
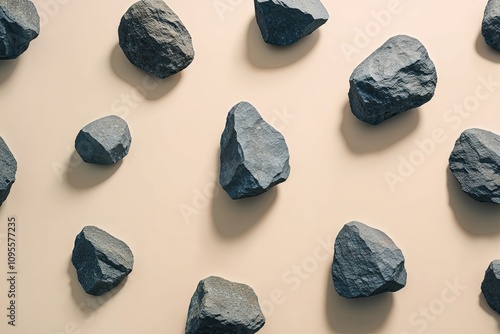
(366, 262)
(253, 155)
(104, 141)
(8, 169)
(491, 24)
(221, 306)
(19, 25)
(491, 285)
(284, 22)
(396, 77)
(154, 39)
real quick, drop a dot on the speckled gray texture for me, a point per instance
(491, 285)
(19, 25)
(8, 169)
(490, 27)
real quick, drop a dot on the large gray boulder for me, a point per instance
(491, 285)
(366, 262)
(396, 77)
(491, 24)
(154, 39)
(221, 306)
(253, 156)
(8, 169)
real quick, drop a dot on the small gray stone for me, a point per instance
(104, 141)
(154, 39)
(366, 262)
(284, 22)
(491, 24)
(475, 163)
(221, 306)
(396, 77)
(19, 25)
(491, 285)
(254, 156)
(101, 260)
(8, 169)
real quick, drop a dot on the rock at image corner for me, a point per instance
(104, 141)
(475, 163)
(366, 262)
(8, 169)
(396, 77)
(490, 27)
(284, 22)
(19, 25)
(222, 306)
(491, 285)
(154, 39)
(101, 260)
(253, 155)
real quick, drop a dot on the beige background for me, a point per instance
(161, 200)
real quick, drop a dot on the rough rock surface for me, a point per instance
(253, 156)
(491, 24)
(491, 285)
(104, 141)
(396, 77)
(8, 169)
(475, 163)
(19, 25)
(101, 260)
(154, 39)
(221, 306)
(284, 22)
(366, 262)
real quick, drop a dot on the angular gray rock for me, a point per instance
(101, 260)
(221, 306)
(475, 163)
(104, 141)
(253, 155)
(491, 285)
(396, 77)
(154, 39)
(284, 22)
(8, 169)
(366, 262)
(19, 25)
(491, 24)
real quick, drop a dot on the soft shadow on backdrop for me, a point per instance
(485, 51)
(362, 138)
(475, 218)
(82, 175)
(484, 305)
(150, 87)
(6, 69)
(266, 56)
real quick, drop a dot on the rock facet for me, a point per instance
(254, 156)
(8, 169)
(366, 262)
(491, 285)
(221, 306)
(396, 77)
(491, 24)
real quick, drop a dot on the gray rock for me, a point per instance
(396, 77)
(154, 39)
(8, 169)
(19, 25)
(101, 260)
(284, 22)
(475, 163)
(253, 156)
(366, 262)
(104, 141)
(491, 285)
(221, 306)
(491, 24)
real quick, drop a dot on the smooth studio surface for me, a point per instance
(163, 199)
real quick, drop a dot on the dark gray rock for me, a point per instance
(154, 39)
(396, 77)
(491, 24)
(221, 306)
(101, 260)
(475, 163)
(8, 169)
(366, 262)
(19, 25)
(491, 285)
(104, 141)
(253, 156)
(284, 22)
